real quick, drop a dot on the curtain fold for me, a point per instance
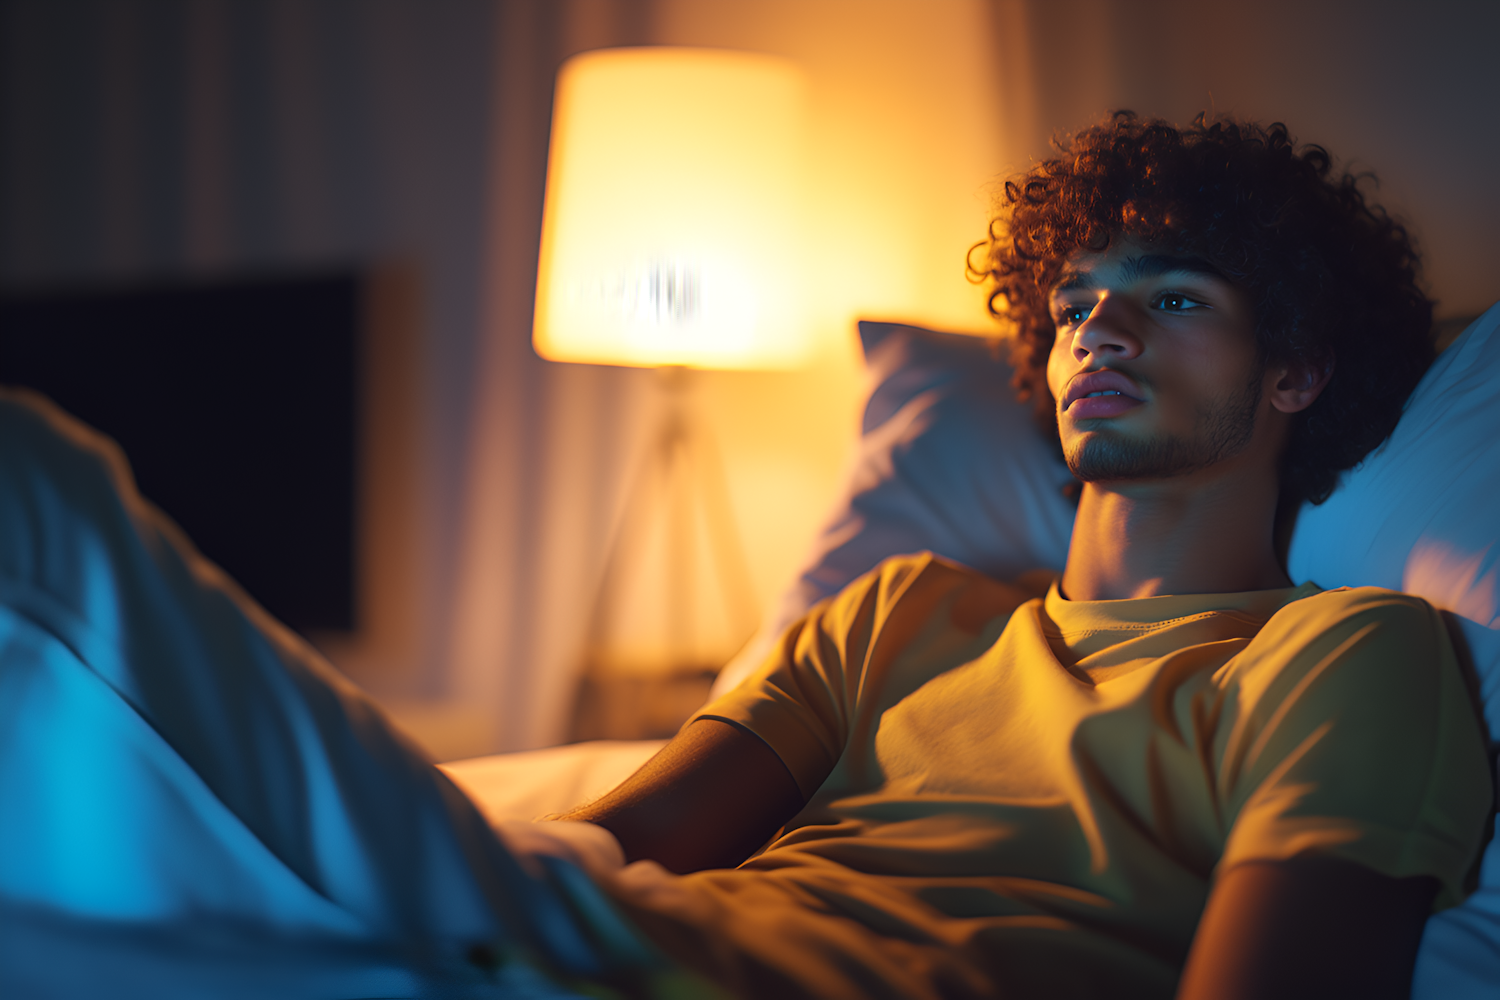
(163, 140)
(550, 442)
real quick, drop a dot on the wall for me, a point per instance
(144, 138)
(920, 107)
(1401, 88)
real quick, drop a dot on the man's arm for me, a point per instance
(709, 799)
(1307, 927)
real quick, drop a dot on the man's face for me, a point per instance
(1154, 368)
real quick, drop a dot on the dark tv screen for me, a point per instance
(235, 403)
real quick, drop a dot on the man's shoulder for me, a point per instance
(1371, 629)
(913, 588)
(1344, 607)
(907, 578)
(901, 573)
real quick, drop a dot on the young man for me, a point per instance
(1170, 769)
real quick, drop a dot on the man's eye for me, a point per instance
(1175, 302)
(1073, 315)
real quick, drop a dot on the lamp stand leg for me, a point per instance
(682, 479)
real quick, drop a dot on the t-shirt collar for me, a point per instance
(1071, 616)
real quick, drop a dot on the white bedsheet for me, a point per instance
(194, 804)
(537, 783)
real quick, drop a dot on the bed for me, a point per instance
(949, 462)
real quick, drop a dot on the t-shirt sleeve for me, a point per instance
(1355, 738)
(826, 677)
(801, 700)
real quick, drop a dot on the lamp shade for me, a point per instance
(674, 195)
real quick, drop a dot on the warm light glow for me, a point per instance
(674, 194)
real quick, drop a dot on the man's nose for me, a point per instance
(1109, 332)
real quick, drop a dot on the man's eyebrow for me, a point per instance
(1137, 268)
(1155, 265)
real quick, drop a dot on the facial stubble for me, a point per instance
(1224, 427)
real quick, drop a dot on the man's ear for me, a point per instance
(1298, 383)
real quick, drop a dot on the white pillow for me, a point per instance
(948, 461)
(1422, 514)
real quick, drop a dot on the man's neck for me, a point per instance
(1179, 537)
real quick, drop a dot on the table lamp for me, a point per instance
(670, 239)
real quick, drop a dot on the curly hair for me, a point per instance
(1330, 275)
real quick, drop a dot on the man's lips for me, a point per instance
(1102, 393)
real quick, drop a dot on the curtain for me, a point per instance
(148, 140)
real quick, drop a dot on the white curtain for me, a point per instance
(150, 140)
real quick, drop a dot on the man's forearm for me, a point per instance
(709, 799)
(1308, 927)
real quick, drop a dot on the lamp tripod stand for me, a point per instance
(680, 485)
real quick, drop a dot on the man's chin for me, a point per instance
(1119, 459)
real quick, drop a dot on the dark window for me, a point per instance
(235, 404)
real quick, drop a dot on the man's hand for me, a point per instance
(1307, 927)
(709, 799)
(585, 845)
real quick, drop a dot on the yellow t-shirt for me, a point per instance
(1012, 794)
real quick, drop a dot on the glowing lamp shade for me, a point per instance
(674, 193)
